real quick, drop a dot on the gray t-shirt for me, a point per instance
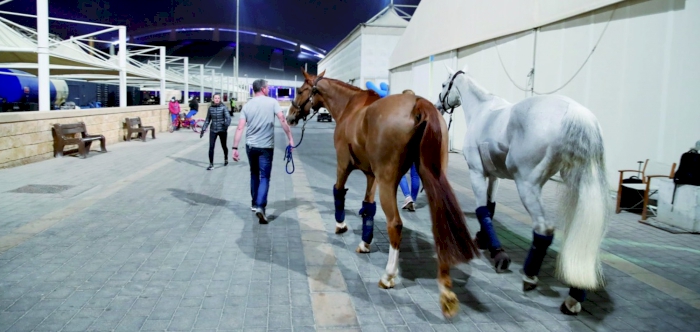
(260, 113)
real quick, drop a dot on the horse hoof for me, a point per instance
(362, 248)
(528, 286)
(565, 310)
(480, 241)
(501, 261)
(341, 230)
(449, 304)
(387, 284)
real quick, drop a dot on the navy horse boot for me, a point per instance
(535, 257)
(482, 241)
(572, 304)
(486, 238)
(339, 200)
(367, 211)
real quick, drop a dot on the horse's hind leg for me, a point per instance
(486, 238)
(542, 235)
(339, 198)
(449, 304)
(368, 210)
(394, 226)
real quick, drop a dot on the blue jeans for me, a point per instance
(260, 168)
(173, 117)
(415, 184)
(191, 114)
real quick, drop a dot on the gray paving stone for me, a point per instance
(194, 247)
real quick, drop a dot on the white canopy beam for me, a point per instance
(122, 67)
(42, 24)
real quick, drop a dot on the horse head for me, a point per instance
(449, 98)
(306, 99)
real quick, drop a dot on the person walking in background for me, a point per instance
(194, 108)
(410, 196)
(174, 108)
(219, 119)
(259, 116)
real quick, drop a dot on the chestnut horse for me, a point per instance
(383, 138)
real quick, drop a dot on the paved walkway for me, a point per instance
(144, 238)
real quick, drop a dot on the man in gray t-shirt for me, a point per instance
(259, 115)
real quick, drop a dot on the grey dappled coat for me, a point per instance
(219, 118)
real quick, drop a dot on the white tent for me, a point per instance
(363, 55)
(634, 64)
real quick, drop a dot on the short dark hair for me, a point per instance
(259, 84)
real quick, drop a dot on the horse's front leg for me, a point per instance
(368, 210)
(394, 225)
(491, 195)
(339, 192)
(486, 238)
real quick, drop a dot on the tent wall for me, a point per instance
(641, 82)
(345, 64)
(377, 45)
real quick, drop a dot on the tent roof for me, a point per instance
(386, 18)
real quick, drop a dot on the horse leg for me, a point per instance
(542, 234)
(368, 210)
(387, 195)
(449, 304)
(491, 195)
(339, 198)
(486, 238)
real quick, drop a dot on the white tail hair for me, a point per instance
(584, 205)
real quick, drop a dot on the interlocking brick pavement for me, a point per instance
(147, 239)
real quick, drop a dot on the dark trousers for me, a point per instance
(212, 141)
(260, 169)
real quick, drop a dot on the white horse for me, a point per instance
(529, 142)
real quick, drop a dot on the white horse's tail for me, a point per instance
(584, 205)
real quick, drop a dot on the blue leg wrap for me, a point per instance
(538, 250)
(492, 208)
(487, 228)
(578, 294)
(368, 211)
(339, 198)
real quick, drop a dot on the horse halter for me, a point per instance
(314, 90)
(444, 99)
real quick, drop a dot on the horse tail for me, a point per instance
(452, 239)
(584, 205)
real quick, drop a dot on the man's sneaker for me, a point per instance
(253, 208)
(226, 162)
(260, 213)
(210, 167)
(407, 202)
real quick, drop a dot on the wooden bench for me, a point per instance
(83, 140)
(134, 125)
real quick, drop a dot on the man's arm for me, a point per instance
(285, 127)
(239, 132)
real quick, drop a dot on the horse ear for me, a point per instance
(306, 75)
(322, 73)
(449, 70)
(466, 68)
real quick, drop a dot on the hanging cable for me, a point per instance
(531, 74)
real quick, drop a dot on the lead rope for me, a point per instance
(288, 157)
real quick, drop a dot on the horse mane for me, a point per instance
(343, 84)
(481, 93)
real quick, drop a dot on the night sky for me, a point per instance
(323, 23)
